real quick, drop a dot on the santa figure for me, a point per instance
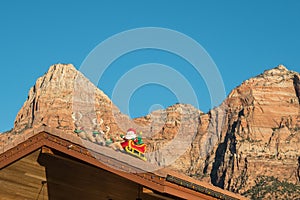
(131, 135)
(133, 144)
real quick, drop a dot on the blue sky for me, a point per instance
(243, 38)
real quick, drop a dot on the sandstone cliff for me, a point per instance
(258, 134)
(254, 132)
(64, 99)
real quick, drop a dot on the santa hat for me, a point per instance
(132, 130)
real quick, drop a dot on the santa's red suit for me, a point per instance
(130, 135)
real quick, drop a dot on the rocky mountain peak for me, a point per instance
(261, 131)
(280, 69)
(54, 98)
(254, 132)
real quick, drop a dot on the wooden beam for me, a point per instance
(26, 147)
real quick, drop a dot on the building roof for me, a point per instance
(164, 181)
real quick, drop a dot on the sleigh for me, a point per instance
(135, 149)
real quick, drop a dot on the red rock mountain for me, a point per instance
(253, 137)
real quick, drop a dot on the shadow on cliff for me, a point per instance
(221, 166)
(296, 82)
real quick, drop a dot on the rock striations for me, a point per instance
(64, 99)
(253, 135)
(258, 130)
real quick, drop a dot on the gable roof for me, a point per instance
(126, 166)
